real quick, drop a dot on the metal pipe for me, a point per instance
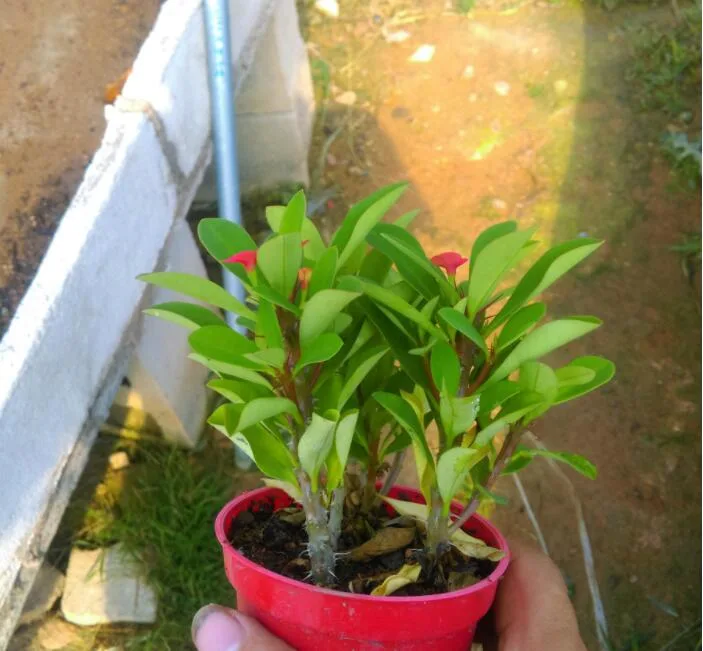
(224, 135)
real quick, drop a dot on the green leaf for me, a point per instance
(315, 246)
(492, 497)
(515, 409)
(267, 357)
(189, 315)
(519, 324)
(324, 272)
(486, 237)
(405, 220)
(261, 409)
(294, 214)
(321, 310)
(399, 343)
(496, 395)
(491, 264)
(536, 376)
(279, 259)
(314, 446)
(265, 291)
(274, 216)
(238, 391)
(394, 302)
(603, 371)
(343, 435)
(233, 370)
(267, 326)
(445, 367)
(362, 217)
(580, 464)
(409, 257)
(220, 343)
(459, 414)
(571, 375)
(324, 347)
(548, 269)
(543, 340)
(267, 451)
(198, 288)
(452, 469)
(461, 324)
(358, 370)
(222, 238)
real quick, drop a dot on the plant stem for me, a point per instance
(393, 473)
(336, 513)
(369, 495)
(506, 451)
(437, 528)
(319, 539)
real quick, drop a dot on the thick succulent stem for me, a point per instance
(319, 540)
(437, 527)
(336, 513)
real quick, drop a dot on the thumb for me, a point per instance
(222, 629)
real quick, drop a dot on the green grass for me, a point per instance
(163, 513)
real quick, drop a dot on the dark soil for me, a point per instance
(270, 539)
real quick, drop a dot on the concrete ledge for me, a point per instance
(68, 346)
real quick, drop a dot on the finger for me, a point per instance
(222, 629)
(533, 611)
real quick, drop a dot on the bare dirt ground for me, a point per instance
(56, 58)
(527, 111)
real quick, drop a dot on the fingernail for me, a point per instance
(216, 629)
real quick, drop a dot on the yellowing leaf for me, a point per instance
(475, 548)
(291, 489)
(384, 541)
(405, 576)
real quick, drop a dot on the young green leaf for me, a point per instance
(458, 414)
(358, 370)
(274, 357)
(188, 315)
(294, 214)
(548, 269)
(536, 376)
(495, 395)
(362, 217)
(314, 246)
(603, 370)
(543, 340)
(461, 324)
(320, 311)
(524, 319)
(324, 272)
(343, 435)
(524, 455)
(486, 237)
(445, 367)
(268, 330)
(452, 469)
(279, 260)
(571, 375)
(491, 264)
(198, 288)
(314, 446)
(220, 343)
(274, 216)
(324, 347)
(261, 409)
(233, 370)
(514, 409)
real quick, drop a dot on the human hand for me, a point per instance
(222, 629)
(532, 612)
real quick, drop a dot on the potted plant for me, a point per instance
(352, 353)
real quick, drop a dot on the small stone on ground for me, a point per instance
(347, 98)
(47, 588)
(468, 72)
(328, 8)
(502, 88)
(104, 586)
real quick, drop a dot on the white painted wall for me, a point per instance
(68, 345)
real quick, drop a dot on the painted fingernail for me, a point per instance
(216, 629)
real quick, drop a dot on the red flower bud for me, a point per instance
(304, 274)
(246, 258)
(449, 261)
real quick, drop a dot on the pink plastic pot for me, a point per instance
(310, 618)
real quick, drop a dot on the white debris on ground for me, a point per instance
(347, 98)
(468, 72)
(104, 586)
(118, 460)
(423, 54)
(397, 36)
(502, 88)
(329, 8)
(46, 589)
